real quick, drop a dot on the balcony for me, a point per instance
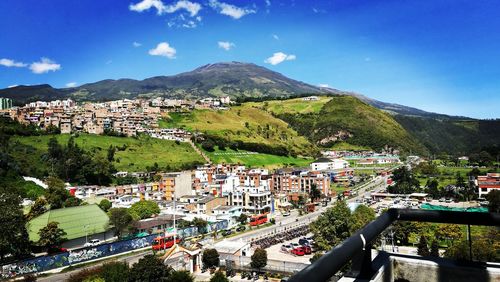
(397, 267)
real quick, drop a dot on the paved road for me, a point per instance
(58, 277)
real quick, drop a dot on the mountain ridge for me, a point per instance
(235, 79)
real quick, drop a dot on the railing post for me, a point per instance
(361, 266)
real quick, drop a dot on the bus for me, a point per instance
(258, 219)
(164, 242)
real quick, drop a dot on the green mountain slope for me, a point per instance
(347, 119)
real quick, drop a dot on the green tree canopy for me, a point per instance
(219, 276)
(105, 205)
(259, 258)
(115, 271)
(210, 258)
(51, 235)
(180, 276)
(56, 194)
(242, 219)
(149, 268)
(423, 248)
(120, 218)
(314, 193)
(361, 216)
(493, 198)
(434, 249)
(38, 208)
(144, 209)
(332, 227)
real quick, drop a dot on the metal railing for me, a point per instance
(358, 246)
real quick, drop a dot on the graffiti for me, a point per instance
(84, 255)
(13, 270)
(49, 262)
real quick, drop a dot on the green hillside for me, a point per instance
(246, 123)
(133, 154)
(293, 106)
(347, 119)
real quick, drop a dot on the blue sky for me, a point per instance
(440, 56)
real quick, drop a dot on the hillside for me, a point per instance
(134, 154)
(452, 136)
(244, 123)
(347, 119)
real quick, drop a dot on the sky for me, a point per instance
(440, 56)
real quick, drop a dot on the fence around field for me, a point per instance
(48, 262)
(243, 263)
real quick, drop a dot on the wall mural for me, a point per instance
(49, 262)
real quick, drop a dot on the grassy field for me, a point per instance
(298, 105)
(251, 159)
(245, 123)
(136, 156)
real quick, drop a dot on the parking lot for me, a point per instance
(274, 252)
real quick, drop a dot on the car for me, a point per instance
(295, 245)
(56, 250)
(241, 228)
(92, 243)
(227, 232)
(286, 214)
(298, 251)
(442, 200)
(286, 248)
(304, 241)
(307, 249)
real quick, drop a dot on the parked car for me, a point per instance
(227, 232)
(286, 248)
(295, 245)
(241, 228)
(92, 243)
(286, 213)
(304, 241)
(307, 249)
(56, 250)
(298, 251)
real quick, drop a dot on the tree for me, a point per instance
(434, 249)
(210, 258)
(144, 209)
(120, 218)
(200, 224)
(51, 235)
(56, 194)
(105, 205)
(72, 202)
(242, 219)
(38, 208)
(103, 169)
(448, 232)
(259, 258)
(315, 257)
(115, 271)
(332, 227)
(422, 248)
(180, 276)
(432, 188)
(314, 193)
(149, 268)
(111, 153)
(14, 238)
(405, 182)
(362, 216)
(219, 276)
(493, 198)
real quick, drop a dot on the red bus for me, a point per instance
(164, 242)
(258, 219)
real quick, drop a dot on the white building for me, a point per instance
(329, 164)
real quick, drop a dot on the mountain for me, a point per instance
(345, 118)
(234, 79)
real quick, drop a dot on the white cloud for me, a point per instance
(323, 85)
(163, 49)
(279, 57)
(276, 37)
(232, 11)
(71, 84)
(226, 45)
(11, 63)
(12, 86)
(268, 3)
(148, 4)
(136, 44)
(45, 65)
(192, 8)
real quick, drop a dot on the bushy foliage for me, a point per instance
(210, 258)
(259, 258)
(144, 209)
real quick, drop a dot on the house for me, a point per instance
(229, 213)
(205, 205)
(156, 224)
(488, 183)
(80, 223)
(329, 164)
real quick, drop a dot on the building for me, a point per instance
(5, 103)
(156, 224)
(487, 183)
(322, 164)
(207, 204)
(81, 223)
(300, 182)
(176, 184)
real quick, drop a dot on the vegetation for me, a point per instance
(259, 258)
(149, 268)
(51, 235)
(219, 276)
(493, 198)
(105, 205)
(423, 248)
(120, 218)
(132, 154)
(144, 209)
(210, 258)
(404, 182)
(347, 119)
